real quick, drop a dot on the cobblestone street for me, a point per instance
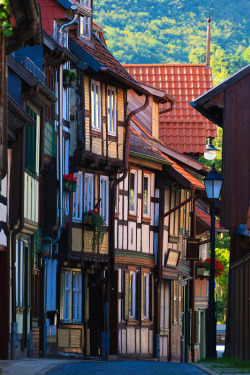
(125, 367)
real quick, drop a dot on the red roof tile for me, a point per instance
(102, 54)
(193, 181)
(184, 82)
(207, 219)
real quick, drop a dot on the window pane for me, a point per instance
(146, 197)
(132, 192)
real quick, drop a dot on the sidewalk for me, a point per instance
(28, 366)
(214, 368)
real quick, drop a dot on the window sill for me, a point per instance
(146, 323)
(132, 322)
(96, 129)
(132, 217)
(146, 220)
(112, 134)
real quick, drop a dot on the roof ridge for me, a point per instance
(168, 64)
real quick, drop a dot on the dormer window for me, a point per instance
(85, 27)
(86, 3)
(62, 39)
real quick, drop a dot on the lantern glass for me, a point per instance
(213, 183)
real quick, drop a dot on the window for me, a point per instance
(132, 295)
(85, 27)
(51, 270)
(95, 105)
(177, 305)
(71, 296)
(164, 307)
(32, 140)
(77, 199)
(23, 263)
(86, 3)
(175, 216)
(77, 297)
(111, 110)
(133, 192)
(88, 192)
(155, 120)
(104, 196)
(146, 195)
(117, 200)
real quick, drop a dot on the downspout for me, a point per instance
(32, 94)
(112, 203)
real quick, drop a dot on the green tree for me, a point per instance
(221, 290)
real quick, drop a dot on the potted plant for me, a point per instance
(72, 79)
(97, 222)
(203, 267)
(66, 77)
(69, 182)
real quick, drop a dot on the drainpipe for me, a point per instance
(159, 267)
(112, 202)
(31, 94)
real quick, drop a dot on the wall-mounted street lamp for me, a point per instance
(213, 183)
(211, 150)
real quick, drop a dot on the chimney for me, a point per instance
(208, 40)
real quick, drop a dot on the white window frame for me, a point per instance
(146, 296)
(104, 196)
(67, 296)
(85, 27)
(88, 192)
(132, 294)
(65, 35)
(146, 214)
(86, 3)
(77, 198)
(111, 110)
(76, 297)
(95, 105)
(134, 210)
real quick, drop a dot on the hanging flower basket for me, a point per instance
(203, 267)
(97, 222)
(66, 77)
(69, 182)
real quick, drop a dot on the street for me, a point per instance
(125, 367)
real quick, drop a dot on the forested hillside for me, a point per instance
(163, 31)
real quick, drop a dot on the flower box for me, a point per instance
(202, 272)
(69, 182)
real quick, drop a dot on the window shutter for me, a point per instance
(62, 283)
(152, 298)
(126, 294)
(142, 295)
(85, 297)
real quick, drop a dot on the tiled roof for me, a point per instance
(183, 128)
(104, 58)
(160, 155)
(202, 215)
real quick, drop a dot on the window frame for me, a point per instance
(135, 173)
(105, 202)
(112, 130)
(147, 214)
(90, 190)
(96, 122)
(77, 198)
(85, 23)
(67, 296)
(146, 278)
(83, 2)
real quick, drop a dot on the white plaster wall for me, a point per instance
(132, 235)
(144, 340)
(120, 236)
(139, 208)
(116, 226)
(139, 181)
(120, 207)
(125, 237)
(125, 209)
(145, 238)
(119, 341)
(130, 340)
(138, 341)
(163, 346)
(138, 248)
(125, 183)
(151, 342)
(151, 247)
(124, 341)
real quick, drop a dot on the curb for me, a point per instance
(203, 368)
